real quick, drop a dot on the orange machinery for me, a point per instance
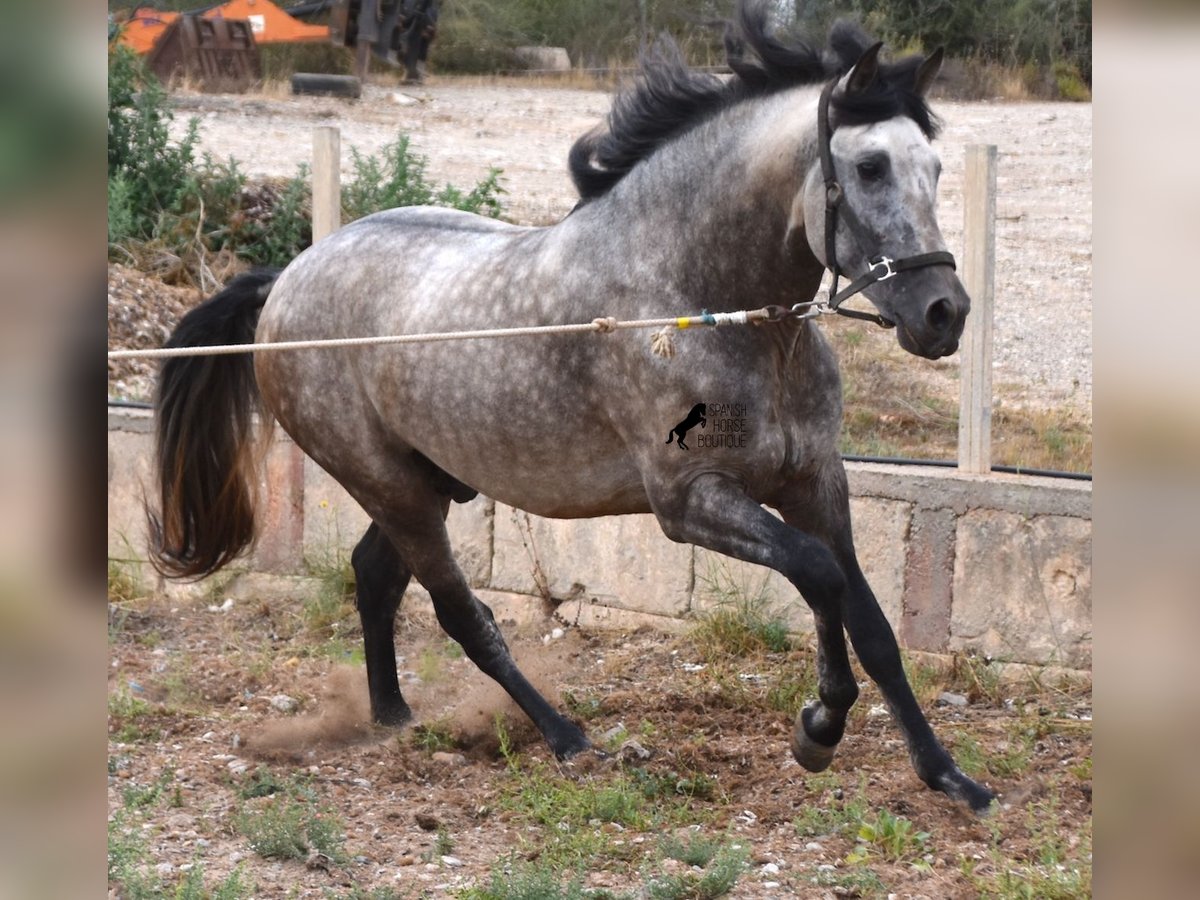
(268, 23)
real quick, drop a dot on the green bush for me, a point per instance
(148, 174)
(159, 193)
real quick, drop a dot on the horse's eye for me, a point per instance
(872, 169)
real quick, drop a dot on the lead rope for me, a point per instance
(661, 343)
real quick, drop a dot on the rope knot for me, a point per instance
(605, 324)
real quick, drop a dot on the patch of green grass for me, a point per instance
(125, 581)
(859, 881)
(129, 718)
(718, 878)
(1010, 762)
(129, 862)
(434, 736)
(333, 601)
(135, 796)
(668, 785)
(926, 681)
(1052, 869)
(894, 837)
(976, 677)
(839, 817)
(379, 893)
(743, 622)
(788, 693)
(696, 850)
(522, 881)
(263, 783)
(191, 887)
(583, 706)
(285, 828)
(540, 795)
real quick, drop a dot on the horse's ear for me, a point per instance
(927, 71)
(865, 70)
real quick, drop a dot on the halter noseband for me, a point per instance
(880, 269)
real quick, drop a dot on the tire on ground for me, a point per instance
(326, 85)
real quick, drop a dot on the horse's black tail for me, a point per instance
(205, 409)
(670, 436)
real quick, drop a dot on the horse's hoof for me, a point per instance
(392, 716)
(959, 787)
(813, 756)
(810, 753)
(570, 745)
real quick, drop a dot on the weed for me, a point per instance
(263, 783)
(860, 881)
(379, 893)
(124, 582)
(790, 690)
(434, 736)
(333, 600)
(654, 786)
(526, 882)
(840, 817)
(697, 850)
(718, 879)
(128, 861)
(926, 681)
(191, 887)
(127, 717)
(1008, 762)
(895, 837)
(977, 677)
(137, 797)
(507, 753)
(284, 828)
(443, 844)
(743, 622)
(583, 706)
(429, 665)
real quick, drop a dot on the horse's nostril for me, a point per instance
(940, 314)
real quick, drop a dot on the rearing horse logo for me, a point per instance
(694, 418)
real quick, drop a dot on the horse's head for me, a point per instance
(875, 190)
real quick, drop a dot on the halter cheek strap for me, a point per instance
(879, 269)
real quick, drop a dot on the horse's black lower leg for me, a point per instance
(380, 580)
(877, 650)
(425, 546)
(718, 515)
(819, 727)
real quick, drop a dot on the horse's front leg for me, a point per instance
(875, 644)
(715, 513)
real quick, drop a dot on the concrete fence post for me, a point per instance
(979, 278)
(326, 181)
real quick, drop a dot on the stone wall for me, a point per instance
(998, 565)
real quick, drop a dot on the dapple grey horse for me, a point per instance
(697, 193)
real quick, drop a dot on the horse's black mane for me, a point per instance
(668, 98)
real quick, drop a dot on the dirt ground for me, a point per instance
(222, 708)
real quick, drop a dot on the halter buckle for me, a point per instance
(888, 271)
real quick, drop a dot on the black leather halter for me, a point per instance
(879, 269)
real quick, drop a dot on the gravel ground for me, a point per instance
(1043, 347)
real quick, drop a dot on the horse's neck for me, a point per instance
(710, 211)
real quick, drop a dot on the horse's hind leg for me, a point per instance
(418, 531)
(380, 580)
